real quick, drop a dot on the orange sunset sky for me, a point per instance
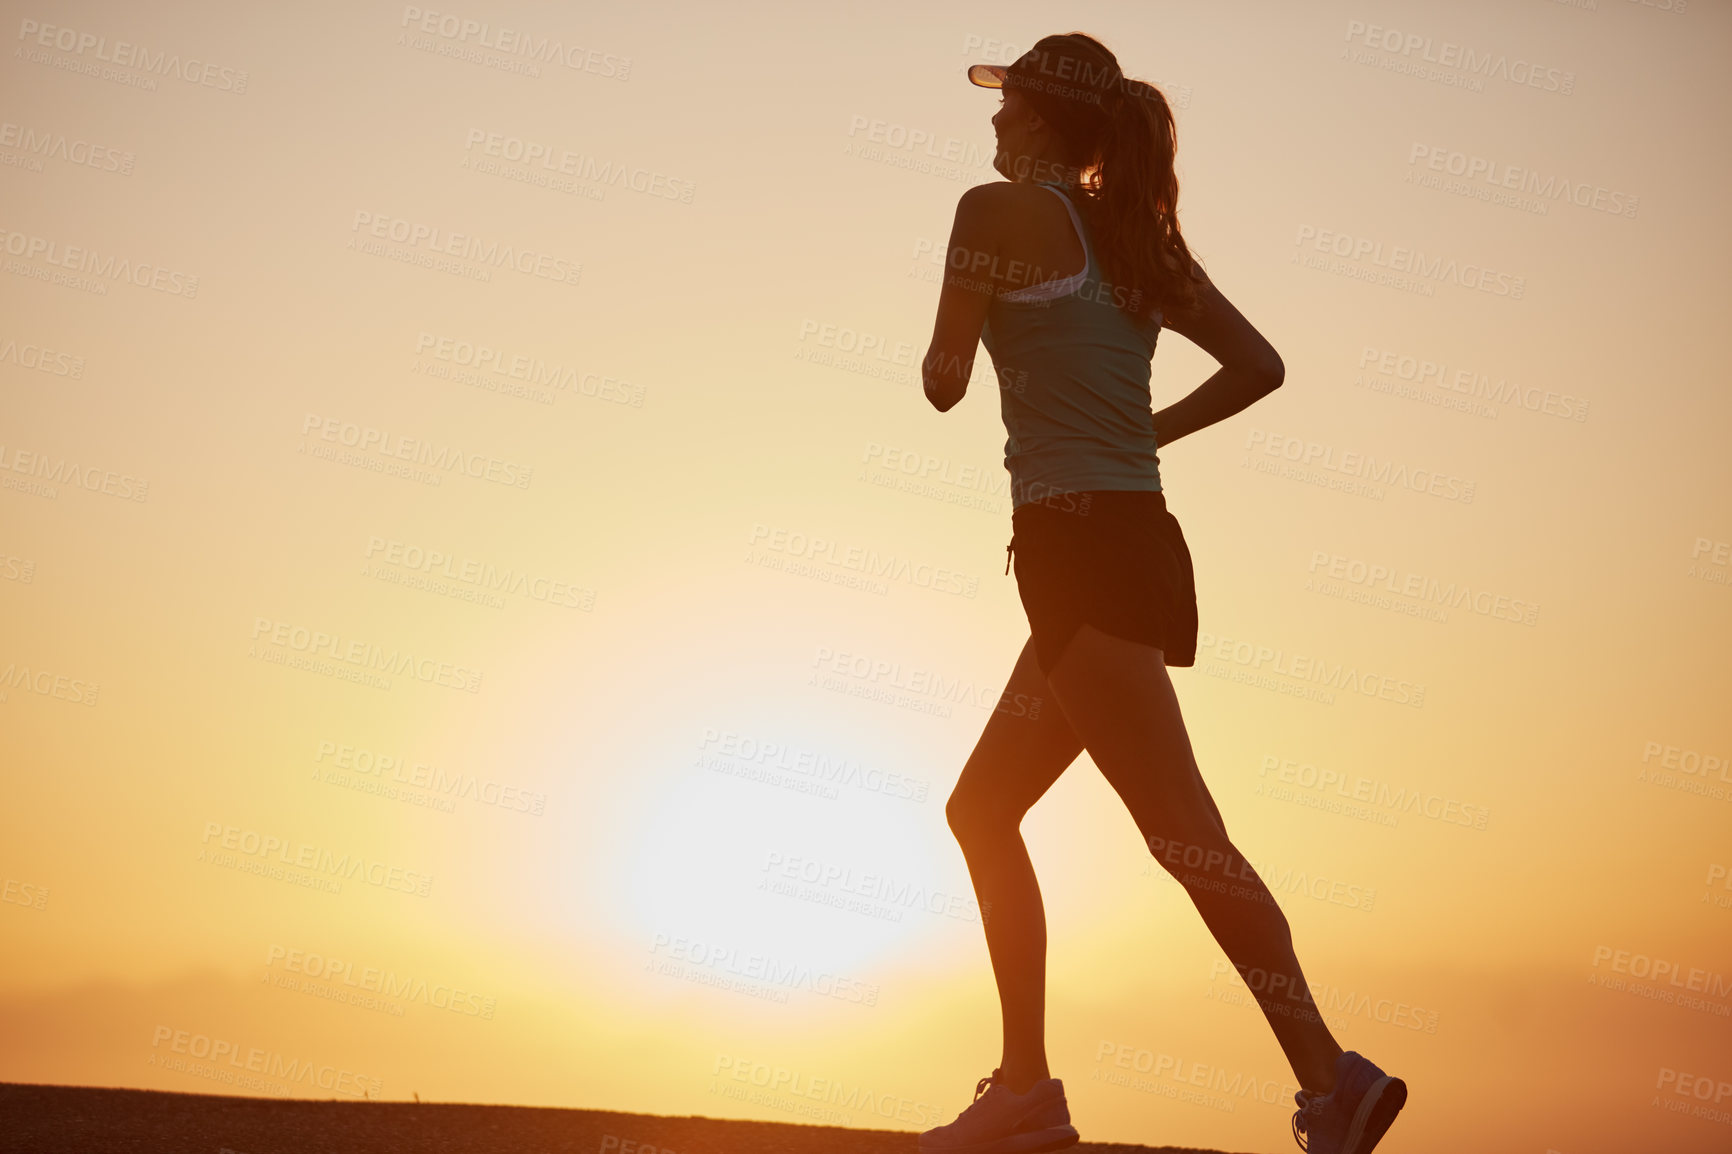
(487, 613)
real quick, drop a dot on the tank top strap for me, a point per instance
(1082, 233)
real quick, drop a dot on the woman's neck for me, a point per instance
(1048, 168)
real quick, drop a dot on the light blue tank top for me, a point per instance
(1073, 383)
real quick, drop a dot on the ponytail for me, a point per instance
(1137, 194)
(1122, 136)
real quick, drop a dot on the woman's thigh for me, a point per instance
(1026, 745)
(1118, 699)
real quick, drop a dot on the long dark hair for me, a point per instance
(1122, 137)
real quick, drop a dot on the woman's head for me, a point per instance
(1070, 114)
(1029, 145)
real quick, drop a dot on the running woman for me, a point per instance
(1067, 271)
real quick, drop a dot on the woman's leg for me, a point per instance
(1027, 743)
(1117, 696)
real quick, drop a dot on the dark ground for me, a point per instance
(88, 1120)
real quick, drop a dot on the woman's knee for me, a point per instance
(973, 817)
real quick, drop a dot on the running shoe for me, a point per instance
(1351, 1118)
(1002, 1122)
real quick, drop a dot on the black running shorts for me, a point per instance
(1113, 558)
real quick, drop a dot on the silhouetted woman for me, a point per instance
(1067, 272)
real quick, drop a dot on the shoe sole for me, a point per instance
(1377, 1110)
(1035, 1142)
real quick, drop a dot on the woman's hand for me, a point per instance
(1250, 367)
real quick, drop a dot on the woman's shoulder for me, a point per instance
(1001, 198)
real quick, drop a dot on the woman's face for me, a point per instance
(1019, 129)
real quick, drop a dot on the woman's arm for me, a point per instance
(963, 299)
(1250, 367)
